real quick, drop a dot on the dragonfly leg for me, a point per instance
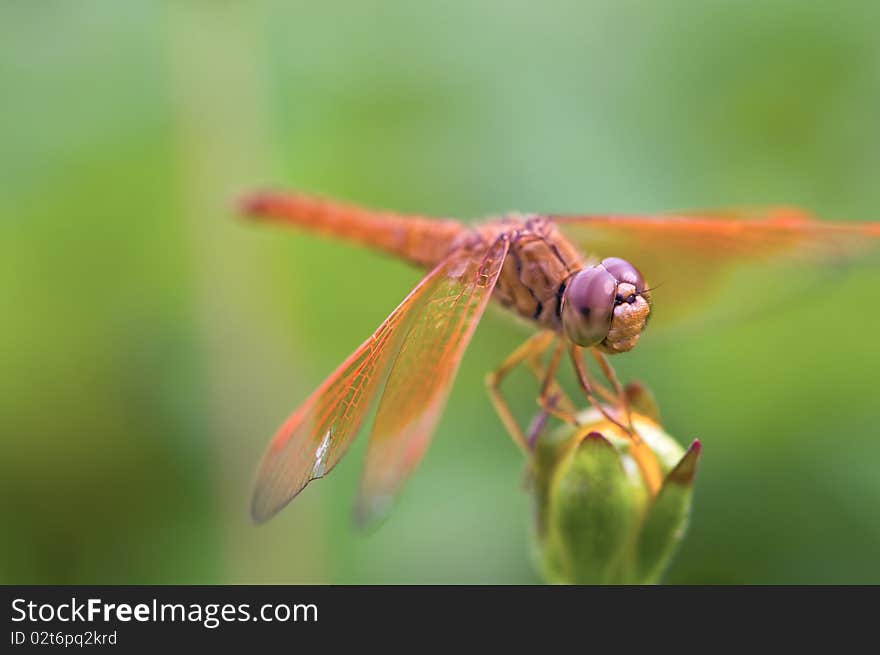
(644, 457)
(539, 422)
(619, 392)
(528, 351)
(552, 398)
(592, 387)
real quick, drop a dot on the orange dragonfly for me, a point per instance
(530, 264)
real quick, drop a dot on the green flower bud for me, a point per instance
(610, 510)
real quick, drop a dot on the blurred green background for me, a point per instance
(151, 342)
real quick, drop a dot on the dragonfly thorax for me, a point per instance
(538, 264)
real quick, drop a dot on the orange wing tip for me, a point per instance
(261, 509)
(267, 500)
(370, 512)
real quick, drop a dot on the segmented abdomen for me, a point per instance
(416, 239)
(538, 262)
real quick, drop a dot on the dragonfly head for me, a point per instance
(606, 306)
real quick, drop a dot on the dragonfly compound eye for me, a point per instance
(588, 304)
(623, 271)
(605, 306)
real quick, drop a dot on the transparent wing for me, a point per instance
(689, 256)
(420, 379)
(314, 438)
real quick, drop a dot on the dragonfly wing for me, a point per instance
(421, 377)
(314, 438)
(690, 255)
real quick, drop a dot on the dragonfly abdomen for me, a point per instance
(421, 241)
(539, 261)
